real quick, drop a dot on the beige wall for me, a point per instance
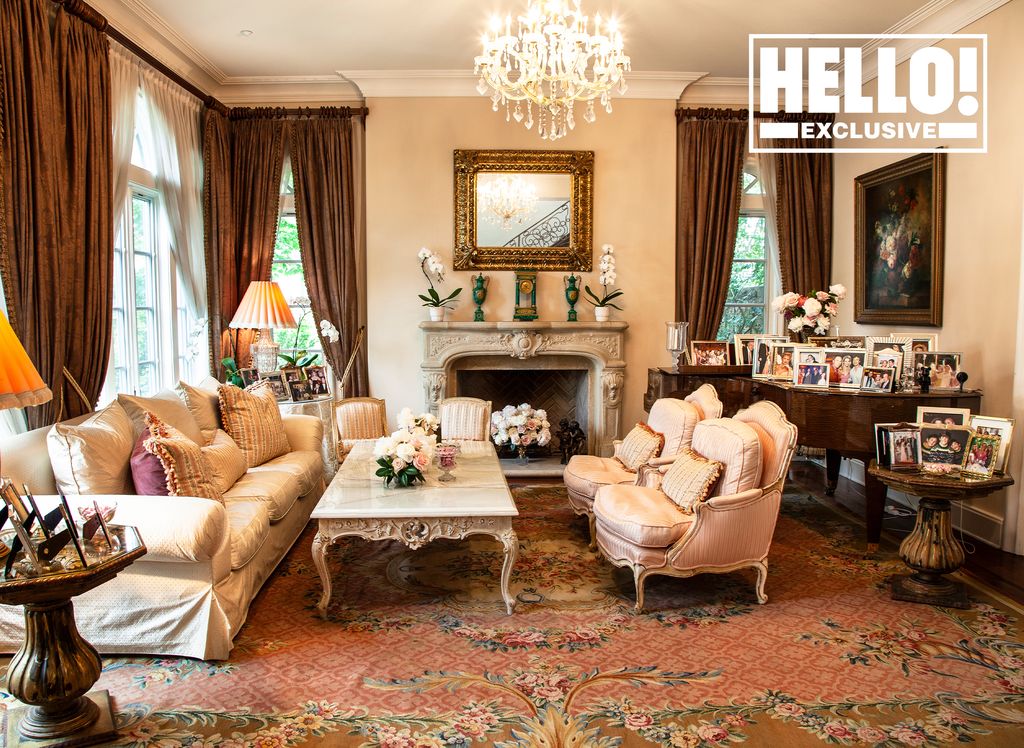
(984, 194)
(409, 144)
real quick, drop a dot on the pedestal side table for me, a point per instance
(931, 550)
(55, 667)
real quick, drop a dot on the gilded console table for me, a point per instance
(931, 550)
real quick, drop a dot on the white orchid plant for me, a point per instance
(404, 457)
(606, 278)
(431, 265)
(520, 426)
(813, 311)
(425, 422)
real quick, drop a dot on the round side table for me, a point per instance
(55, 667)
(930, 549)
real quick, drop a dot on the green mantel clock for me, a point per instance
(526, 296)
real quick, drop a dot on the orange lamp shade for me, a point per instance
(263, 308)
(20, 383)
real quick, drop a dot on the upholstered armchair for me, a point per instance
(638, 526)
(585, 474)
(705, 399)
(465, 418)
(356, 419)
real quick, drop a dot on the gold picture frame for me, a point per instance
(577, 255)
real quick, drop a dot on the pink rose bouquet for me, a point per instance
(813, 311)
(404, 456)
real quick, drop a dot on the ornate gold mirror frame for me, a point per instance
(578, 255)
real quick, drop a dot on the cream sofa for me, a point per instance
(190, 594)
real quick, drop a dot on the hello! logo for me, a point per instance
(870, 93)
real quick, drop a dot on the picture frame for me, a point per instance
(249, 376)
(299, 391)
(993, 426)
(889, 360)
(291, 373)
(981, 455)
(709, 352)
(878, 379)
(837, 341)
(810, 355)
(781, 358)
(811, 376)
(933, 416)
(846, 366)
(944, 365)
(278, 385)
(899, 242)
(887, 344)
(743, 349)
(944, 445)
(919, 341)
(761, 358)
(18, 515)
(904, 447)
(316, 378)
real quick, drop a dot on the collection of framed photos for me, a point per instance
(292, 383)
(852, 362)
(946, 440)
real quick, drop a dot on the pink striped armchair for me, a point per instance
(639, 527)
(357, 419)
(676, 419)
(465, 419)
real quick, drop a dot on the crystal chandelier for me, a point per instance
(506, 199)
(553, 61)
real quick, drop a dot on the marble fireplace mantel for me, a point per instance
(539, 345)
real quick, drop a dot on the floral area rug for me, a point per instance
(418, 652)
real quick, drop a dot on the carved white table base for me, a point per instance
(415, 533)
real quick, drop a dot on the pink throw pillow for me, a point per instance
(147, 470)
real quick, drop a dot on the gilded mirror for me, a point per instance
(523, 209)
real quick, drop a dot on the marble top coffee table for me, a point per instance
(477, 502)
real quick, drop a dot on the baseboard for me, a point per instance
(979, 524)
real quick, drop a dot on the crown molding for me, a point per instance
(462, 83)
(288, 90)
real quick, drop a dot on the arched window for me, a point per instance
(754, 277)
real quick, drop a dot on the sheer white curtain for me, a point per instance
(174, 116)
(773, 285)
(124, 92)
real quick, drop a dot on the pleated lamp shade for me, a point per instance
(20, 383)
(263, 308)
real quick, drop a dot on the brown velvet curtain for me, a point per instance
(804, 204)
(709, 165)
(241, 205)
(323, 163)
(56, 237)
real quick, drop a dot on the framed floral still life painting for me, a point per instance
(899, 249)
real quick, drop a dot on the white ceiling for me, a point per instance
(302, 38)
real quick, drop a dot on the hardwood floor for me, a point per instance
(1002, 571)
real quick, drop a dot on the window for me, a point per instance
(286, 271)
(753, 279)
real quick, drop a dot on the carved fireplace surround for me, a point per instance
(596, 346)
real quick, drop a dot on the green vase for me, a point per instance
(572, 294)
(480, 284)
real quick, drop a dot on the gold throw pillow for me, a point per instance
(640, 445)
(251, 417)
(186, 468)
(690, 479)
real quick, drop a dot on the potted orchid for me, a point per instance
(606, 279)
(426, 423)
(812, 312)
(520, 427)
(431, 265)
(404, 457)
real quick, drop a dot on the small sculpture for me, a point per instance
(961, 377)
(579, 439)
(924, 378)
(572, 294)
(571, 439)
(480, 284)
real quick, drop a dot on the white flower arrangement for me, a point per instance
(329, 332)
(519, 427)
(431, 265)
(424, 423)
(404, 456)
(606, 278)
(814, 311)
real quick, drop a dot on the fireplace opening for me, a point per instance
(562, 392)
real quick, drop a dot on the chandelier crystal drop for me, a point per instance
(507, 199)
(552, 62)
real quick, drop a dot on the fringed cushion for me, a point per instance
(690, 479)
(185, 467)
(640, 445)
(251, 417)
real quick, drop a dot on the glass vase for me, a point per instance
(521, 458)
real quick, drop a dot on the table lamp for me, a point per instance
(264, 308)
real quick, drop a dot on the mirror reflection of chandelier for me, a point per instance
(553, 61)
(507, 199)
